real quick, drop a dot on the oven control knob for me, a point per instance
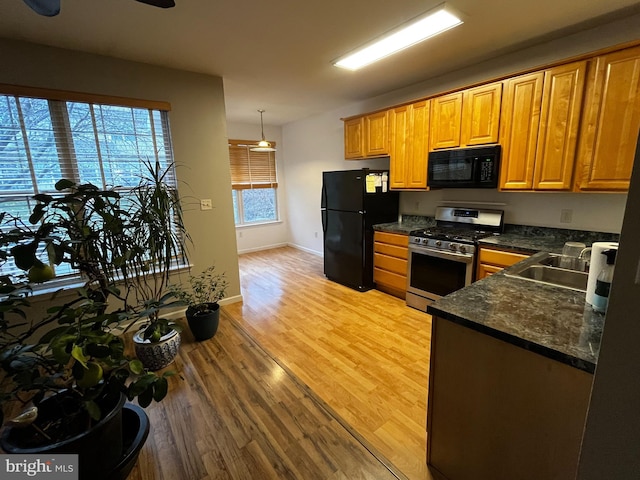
(438, 243)
(463, 249)
(453, 247)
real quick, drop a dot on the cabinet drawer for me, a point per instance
(383, 277)
(391, 238)
(391, 250)
(500, 258)
(392, 264)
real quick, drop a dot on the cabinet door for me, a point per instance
(446, 121)
(485, 270)
(353, 138)
(419, 146)
(376, 128)
(610, 123)
(481, 114)
(399, 160)
(559, 123)
(520, 123)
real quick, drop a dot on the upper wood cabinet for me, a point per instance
(354, 138)
(540, 122)
(481, 114)
(367, 136)
(409, 146)
(610, 122)
(466, 118)
(376, 134)
(521, 107)
(446, 121)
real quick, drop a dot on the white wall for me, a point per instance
(601, 212)
(258, 237)
(312, 146)
(316, 144)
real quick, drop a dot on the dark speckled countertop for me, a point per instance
(551, 321)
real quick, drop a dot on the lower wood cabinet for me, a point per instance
(492, 261)
(390, 254)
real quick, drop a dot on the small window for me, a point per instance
(254, 183)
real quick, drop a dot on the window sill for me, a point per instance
(258, 224)
(68, 286)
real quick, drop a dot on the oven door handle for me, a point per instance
(459, 257)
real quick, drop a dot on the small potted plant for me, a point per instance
(158, 236)
(202, 296)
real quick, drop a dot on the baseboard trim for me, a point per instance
(305, 249)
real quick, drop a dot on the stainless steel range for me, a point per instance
(442, 258)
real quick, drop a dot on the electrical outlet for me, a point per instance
(566, 215)
(240, 234)
(206, 204)
(417, 205)
(316, 234)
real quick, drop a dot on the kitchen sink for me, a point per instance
(546, 271)
(552, 260)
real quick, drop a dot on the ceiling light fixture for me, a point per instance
(263, 145)
(432, 23)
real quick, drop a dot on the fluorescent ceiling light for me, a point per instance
(415, 32)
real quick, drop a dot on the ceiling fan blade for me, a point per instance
(48, 8)
(159, 3)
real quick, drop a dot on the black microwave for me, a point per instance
(464, 168)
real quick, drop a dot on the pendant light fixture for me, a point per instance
(263, 145)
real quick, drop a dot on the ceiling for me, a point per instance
(277, 55)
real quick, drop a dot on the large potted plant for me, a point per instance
(69, 363)
(202, 296)
(159, 237)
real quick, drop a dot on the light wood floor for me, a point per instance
(365, 354)
(236, 414)
(306, 379)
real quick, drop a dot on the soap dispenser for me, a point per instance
(603, 282)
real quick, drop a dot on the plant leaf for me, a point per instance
(136, 367)
(93, 409)
(76, 352)
(161, 387)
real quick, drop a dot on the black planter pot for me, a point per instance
(204, 325)
(100, 448)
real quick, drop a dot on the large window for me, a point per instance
(43, 140)
(254, 183)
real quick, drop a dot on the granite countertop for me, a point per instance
(552, 321)
(526, 239)
(406, 225)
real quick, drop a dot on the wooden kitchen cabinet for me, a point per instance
(390, 255)
(354, 138)
(366, 136)
(446, 121)
(491, 261)
(481, 114)
(540, 123)
(409, 146)
(509, 413)
(610, 122)
(466, 118)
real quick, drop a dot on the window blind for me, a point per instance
(43, 140)
(251, 169)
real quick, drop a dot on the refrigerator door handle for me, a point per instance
(362, 212)
(323, 199)
(324, 221)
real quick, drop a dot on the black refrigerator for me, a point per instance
(352, 202)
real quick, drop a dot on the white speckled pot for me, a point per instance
(157, 355)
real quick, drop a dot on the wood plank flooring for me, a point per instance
(333, 387)
(236, 414)
(365, 354)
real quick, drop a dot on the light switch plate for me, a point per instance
(206, 204)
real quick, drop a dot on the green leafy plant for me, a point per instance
(204, 289)
(74, 349)
(158, 244)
